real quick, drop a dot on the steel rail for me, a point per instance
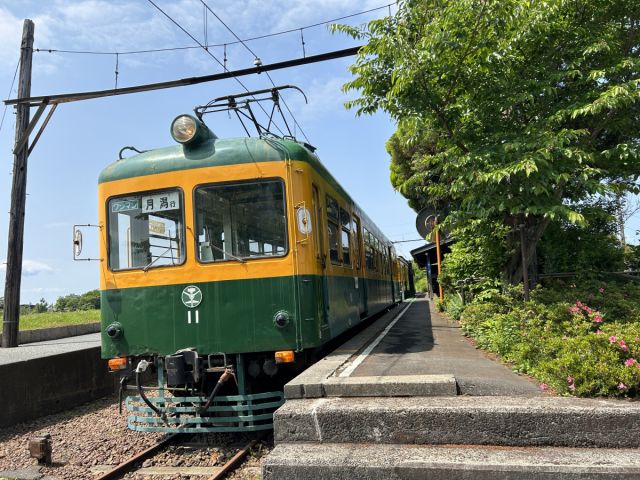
(79, 96)
(128, 464)
(233, 461)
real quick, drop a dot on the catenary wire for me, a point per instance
(191, 47)
(9, 94)
(211, 55)
(295, 121)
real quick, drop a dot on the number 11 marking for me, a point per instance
(189, 316)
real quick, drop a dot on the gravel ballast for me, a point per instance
(88, 439)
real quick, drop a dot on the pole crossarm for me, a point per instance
(79, 96)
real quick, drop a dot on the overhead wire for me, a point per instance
(295, 121)
(211, 55)
(9, 94)
(192, 47)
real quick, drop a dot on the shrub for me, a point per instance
(577, 347)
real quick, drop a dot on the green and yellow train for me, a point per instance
(225, 263)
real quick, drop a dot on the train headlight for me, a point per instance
(184, 128)
(190, 131)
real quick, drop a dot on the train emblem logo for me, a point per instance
(191, 296)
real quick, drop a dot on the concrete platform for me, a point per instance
(54, 333)
(411, 398)
(507, 421)
(410, 351)
(424, 342)
(48, 348)
(42, 378)
(410, 462)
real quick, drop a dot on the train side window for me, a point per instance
(368, 250)
(333, 229)
(345, 220)
(241, 220)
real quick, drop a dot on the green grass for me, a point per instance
(34, 321)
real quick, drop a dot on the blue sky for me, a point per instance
(82, 138)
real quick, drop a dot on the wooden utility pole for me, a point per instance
(18, 196)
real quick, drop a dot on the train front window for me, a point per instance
(146, 230)
(240, 221)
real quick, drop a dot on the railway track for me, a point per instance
(214, 472)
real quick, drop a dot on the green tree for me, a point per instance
(419, 278)
(42, 306)
(87, 301)
(509, 112)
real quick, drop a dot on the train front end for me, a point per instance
(199, 305)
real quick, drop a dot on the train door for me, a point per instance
(391, 275)
(359, 267)
(321, 258)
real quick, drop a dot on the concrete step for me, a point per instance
(411, 462)
(379, 386)
(508, 421)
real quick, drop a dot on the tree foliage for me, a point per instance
(509, 112)
(594, 247)
(87, 301)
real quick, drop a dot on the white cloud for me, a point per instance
(44, 290)
(11, 37)
(124, 25)
(325, 97)
(10, 34)
(30, 268)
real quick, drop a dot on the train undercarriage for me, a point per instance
(191, 393)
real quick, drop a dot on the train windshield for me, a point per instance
(240, 221)
(146, 230)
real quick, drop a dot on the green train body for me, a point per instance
(260, 257)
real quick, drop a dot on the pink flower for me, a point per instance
(601, 290)
(578, 303)
(599, 332)
(622, 386)
(612, 339)
(544, 387)
(574, 310)
(623, 345)
(588, 310)
(629, 362)
(569, 379)
(572, 387)
(597, 319)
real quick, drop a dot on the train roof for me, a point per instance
(221, 152)
(213, 153)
